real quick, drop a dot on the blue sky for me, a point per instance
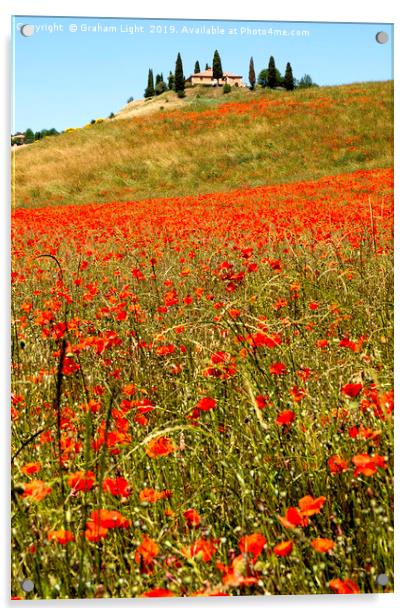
(64, 78)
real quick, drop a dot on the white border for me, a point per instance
(298, 10)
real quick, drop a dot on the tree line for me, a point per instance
(269, 77)
(29, 136)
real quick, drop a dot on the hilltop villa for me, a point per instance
(205, 78)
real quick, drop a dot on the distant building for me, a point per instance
(205, 78)
(18, 139)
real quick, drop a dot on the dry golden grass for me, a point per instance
(292, 136)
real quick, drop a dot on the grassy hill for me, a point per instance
(210, 142)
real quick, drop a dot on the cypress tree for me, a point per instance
(179, 84)
(251, 74)
(288, 77)
(271, 75)
(197, 68)
(217, 68)
(158, 78)
(149, 91)
(207, 67)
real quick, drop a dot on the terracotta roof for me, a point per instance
(209, 73)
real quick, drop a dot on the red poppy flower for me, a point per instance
(61, 536)
(310, 506)
(285, 418)
(367, 465)
(146, 553)
(31, 468)
(165, 350)
(158, 592)
(252, 544)
(278, 369)
(36, 489)
(117, 486)
(220, 357)
(95, 532)
(192, 517)
(351, 389)
(129, 390)
(206, 548)
(336, 464)
(109, 519)
(284, 548)
(160, 446)
(206, 404)
(346, 587)
(81, 481)
(322, 545)
(233, 573)
(297, 393)
(149, 495)
(261, 401)
(293, 518)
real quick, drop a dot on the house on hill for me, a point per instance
(205, 78)
(18, 139)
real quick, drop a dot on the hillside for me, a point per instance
(208, 142)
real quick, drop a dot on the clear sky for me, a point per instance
(66, 74)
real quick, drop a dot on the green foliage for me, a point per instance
(307, 82)
(251, 74)
(28, 136)
(179, 81)
(207, 66)
(272, 81)
(161, 87)
(217, 66)
(149, 91)
(226, 88)
(112, 115)
(40, 134)
(171, 80)
(130, 99)
(197, 67)
(263, 77)
(288, 78)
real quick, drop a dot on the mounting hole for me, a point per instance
(381, 37)
(27, 30)
(27, 585)
(382, 579)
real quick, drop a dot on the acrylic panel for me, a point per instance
(202, 308)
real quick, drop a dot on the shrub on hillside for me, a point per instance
(306, 82)
(226, 88)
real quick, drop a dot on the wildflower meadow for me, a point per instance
(202, 391)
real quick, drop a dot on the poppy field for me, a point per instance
(202, 392)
